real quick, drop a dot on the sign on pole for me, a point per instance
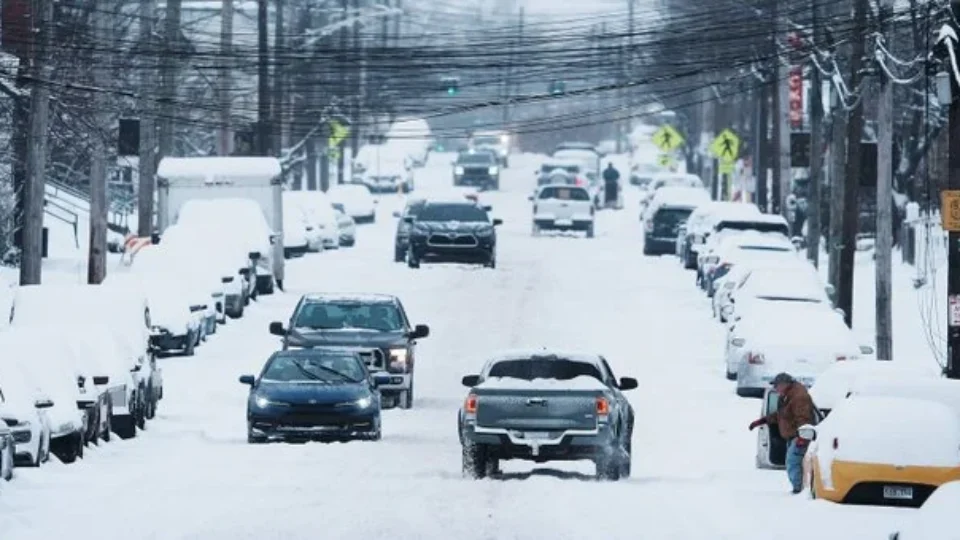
(726, 167)
(726, 147)
(338, 132)
(950, 210)
(664, 160)
(667, 138)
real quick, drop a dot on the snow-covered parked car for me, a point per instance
(732, 247)
(746, 264)
(883, 450)
(356, 200)
(701, 222)
(7, 449)
(666, 213)
(322, 225)
(47, 365)
(413, 137)
(24, 413)
(346, 226)
(562, 207)
(296, 231)
(388, 174)
(775, 338)
(174, 322)
(780, 285)
(935, 520)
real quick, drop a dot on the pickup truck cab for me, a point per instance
(562, 207)
(545, 406)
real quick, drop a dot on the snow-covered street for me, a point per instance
(193, 476)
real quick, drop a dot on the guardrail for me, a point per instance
(64, 214)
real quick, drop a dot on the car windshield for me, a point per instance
(672, 216)
(489, 141)
(316, 366)
(530, 369)
(382, 317)
(414, 209)
(564, 194)
(754, 226)
(453, 212)
(549, 168)
(480, 158)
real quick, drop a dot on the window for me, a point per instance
(564, 194)
(530, 369)
(313, 366)
(414, 209)
(383, 317)
(480, 159)
(773, 402)
(488, 141)
(465, 212)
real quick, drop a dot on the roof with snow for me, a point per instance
(362, 298)
(560, 354)
(204, 167)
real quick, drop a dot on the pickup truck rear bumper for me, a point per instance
(553, 446)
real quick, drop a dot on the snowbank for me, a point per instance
(936, 518)
(509, 383)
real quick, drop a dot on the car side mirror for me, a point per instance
(497, 222)
(155, 238)
(738, 342)
(627, 383)
(100, 380)
(396, 214)
(249, 380)
(43, 403)
(487, 208)
(866, 349)
(470, 380)
(226, 279)
(419, 331)
(254, 255)
(380, 379)
(807, 432)
(408, 219)
(277, 329)
(894, 536)
(529, 197)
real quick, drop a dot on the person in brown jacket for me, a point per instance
(795, 409)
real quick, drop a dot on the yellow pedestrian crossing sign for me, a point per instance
(726, 147)
(667, 138)
(664, 160)
(338, 132)
(726, 167)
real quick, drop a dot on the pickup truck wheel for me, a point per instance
(126, 428)
(474, 461)
(590, 231)
(731, 376)
(405, 400)
(398, 254)
(412, 260)
(609, 468)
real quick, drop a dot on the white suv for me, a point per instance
(563, 207)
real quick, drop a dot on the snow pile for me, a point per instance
(833, 385)
(936, 518)
(582, 382)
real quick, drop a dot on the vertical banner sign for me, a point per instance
(796, 81)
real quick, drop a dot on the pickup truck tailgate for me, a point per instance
(546, 410)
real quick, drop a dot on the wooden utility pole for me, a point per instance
(97, 255)
(263, 81)
(884, 246)
(838, 160)
(953, 252)
(852, 170)
(31, 255)
(168, 76)
(279, 106)
(631, 26)
(343, 95)
(357, 90)
(707, 105)
(148, 132)
(761, 153)
(816, 142)
(323, 140)
(396, 22)
(225, 79)
(780, 112)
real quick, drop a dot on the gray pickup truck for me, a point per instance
(546, 406)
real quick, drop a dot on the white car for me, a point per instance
(387, 176)
(24, 412)
(701, 222)
(356, 200)
(563, 207)
(346, 226)
(708, 259)
(174, 322)
(322, 225)
(776, 338)
(668, 179)
(935, 520)
(8, 449)
(412, 136)
(733, 262)
(162, 262)
(295, 231)
(777, 285)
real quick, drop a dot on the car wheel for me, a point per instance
(405, 401)
(476, 463)
(609, 468)
(107, 431)
(151, 404)
(590, 231)
(646, 249)
(412, 260)
(397, 254)
(8, 461)
(254, 439)
(492, 262)
(731, 376)
(191, 345)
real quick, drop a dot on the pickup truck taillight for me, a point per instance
(470, 406)
(754, 358)
(603, 406)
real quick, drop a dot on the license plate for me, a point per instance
(538, 435)
(898, 492)
(563, 222)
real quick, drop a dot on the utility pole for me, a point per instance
(31, 256)
(953, 252)
(148, 132)
(343, 95)
(279, 106)
(311, 163)
(816, 143)
(324, 141)
(357, 90)
(508, 70)
(225, 76)
(97, 255)
(629, 67)
(838, 160)
(779, 107)
(263, 81)
(168, 76)
(761, 152)
(884, 248)
(852, 170)
(396, 22)
(708, 118)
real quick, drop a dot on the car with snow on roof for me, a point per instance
(936, 517)
(746, 259)
(543, 406)
(453, 232)
(561, 207)
(367, 321)
(357, 201)
(320, 393)
(701, 221)
(24, 412)
(666, 214)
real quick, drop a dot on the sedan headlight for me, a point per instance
(263, 402)
(493, 170)
(364, 402)
(483, 232)
(458, 171)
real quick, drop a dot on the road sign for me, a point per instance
(726, 147)
(726, 167)
(338, 132)
(950, 210)
(667, 138)
(664, 160)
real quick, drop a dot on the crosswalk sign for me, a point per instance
(338, 132)
(664, 160)
(667, 138)
(726, 167)
(726, 147)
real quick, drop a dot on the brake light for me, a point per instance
(836, 443)
(603, 406)
(471, 405)
(754, 358)
(579, 181)
(841, 358)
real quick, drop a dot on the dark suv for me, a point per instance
(376, 325)
(458, 232)
(477, 168)
(662, 227)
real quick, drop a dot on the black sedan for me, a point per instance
(319, 394)
(457, 232)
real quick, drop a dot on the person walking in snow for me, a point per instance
(795, 409)
(611, 179)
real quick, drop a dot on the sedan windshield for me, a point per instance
(486, 141)
(478, 159)
(453, 212)
(382, 317)
(529, 370)
(313, 367)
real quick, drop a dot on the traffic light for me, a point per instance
(558, 87)
(452, 85)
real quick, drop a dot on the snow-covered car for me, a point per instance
(235, 220)
(935, 520)
(413, 137)
(606, 147)
(356, 200)
(642, 173)
(776, 284)
(387, 176)
(883, 450)
(24, 412)
(322, 224)
(45, 362)
(668, 179)
(7, 449)
(562, 207)
(175, 326)
(346, 226)
(738, 266)
(735, 246)
(701, 222)
(732, 224)
(295, 235)
(497, 141)
(776, 338)
(664, 216)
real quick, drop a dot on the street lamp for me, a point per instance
(944, 87)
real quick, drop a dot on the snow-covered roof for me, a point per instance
(936, 519)
(582, 382)
(561, 162)
(363, 298)
(524, 354)
(689, 197)
(766, 219)
(204, 167)
(838, 380)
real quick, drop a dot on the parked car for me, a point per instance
(175, 324)
(642, 173)
(7, 450)
(562, 207)
(732, 224)
(24, 413)
(357, 201)
(459, 232)
(86, 365)
(546, 406)
(934, 520)
(777, 285)
(391, 174)
(161, 265)
(346, 226)
(295, 235)
(700, 223)
(360, 320)
(664, 216)
(323, 231)
(731, 246)
(668, 179)
(314, 394)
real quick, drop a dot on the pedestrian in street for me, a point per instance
(795, 409)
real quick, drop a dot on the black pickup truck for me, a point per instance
(545, 406)
(368, 321)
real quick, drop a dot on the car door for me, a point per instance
(771, 447)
